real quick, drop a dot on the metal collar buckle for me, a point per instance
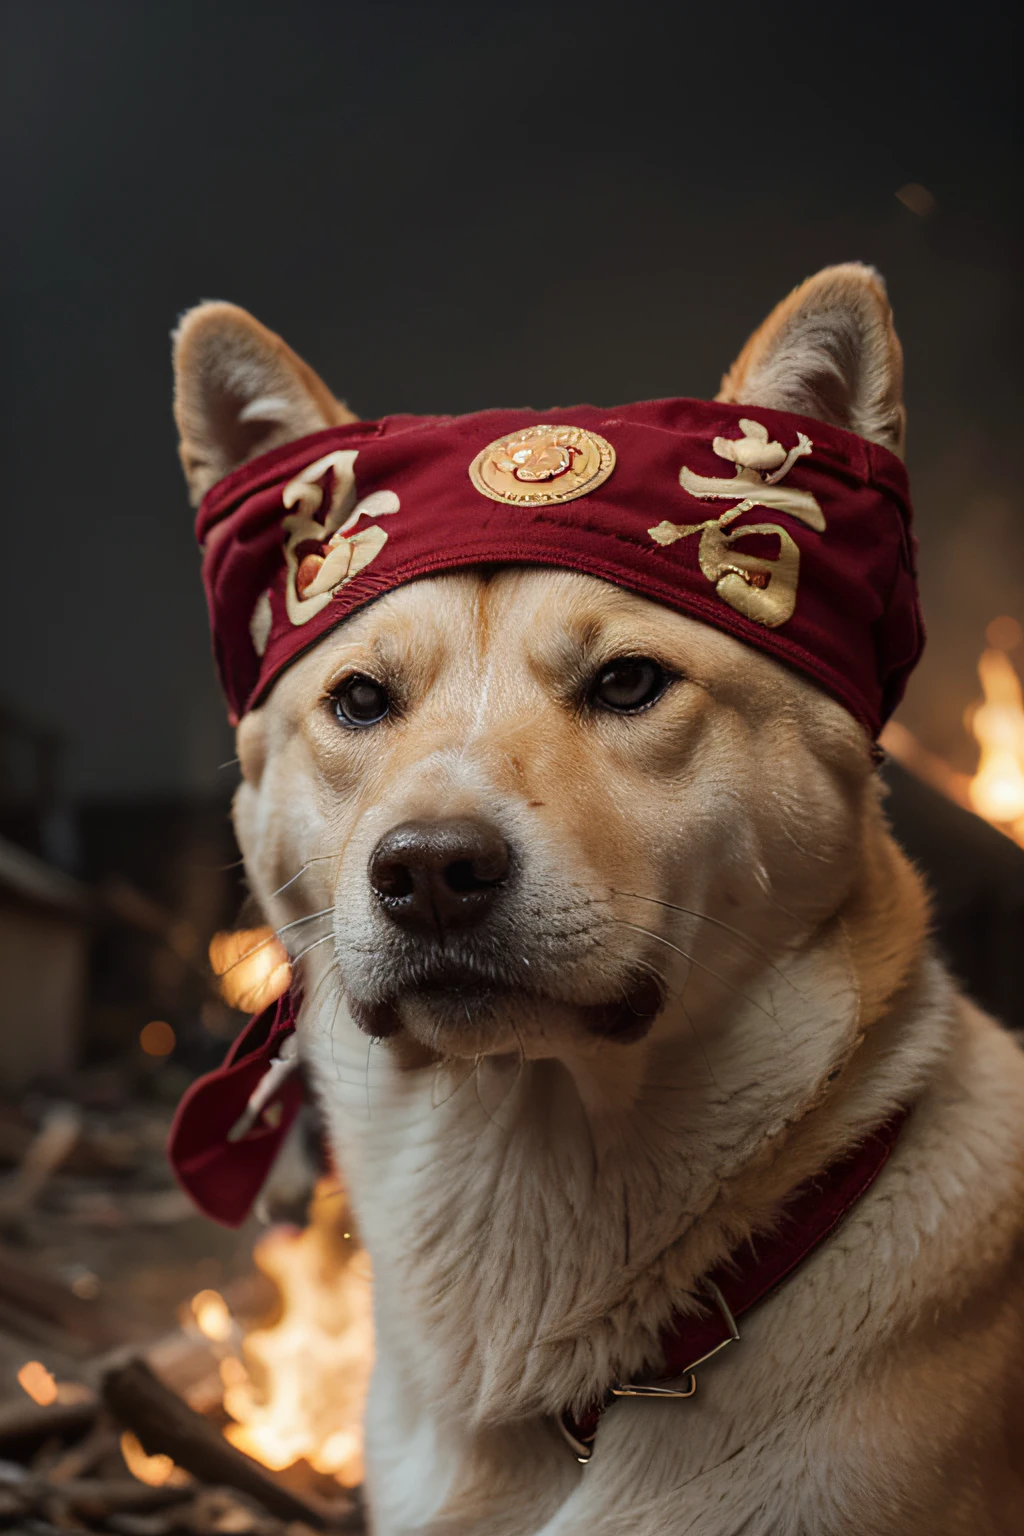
(585, 1449)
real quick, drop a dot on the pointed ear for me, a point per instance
(238, 391)
(828, 351)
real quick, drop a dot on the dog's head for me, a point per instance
(532, 811)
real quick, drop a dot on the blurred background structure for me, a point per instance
(442, 207)
(445, 208)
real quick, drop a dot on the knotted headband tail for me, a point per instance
(224, 1175)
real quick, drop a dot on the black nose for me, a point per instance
(439, 874)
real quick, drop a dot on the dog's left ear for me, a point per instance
(828, 351)
(240, 390)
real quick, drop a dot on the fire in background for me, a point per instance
(296, 1389)
(995, 791)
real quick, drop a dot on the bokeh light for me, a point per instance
(157, 1038)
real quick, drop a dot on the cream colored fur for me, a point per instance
(829, 351)
(240, 391)
(537, 1202)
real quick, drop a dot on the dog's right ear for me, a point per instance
(828, 351)
(239, 390)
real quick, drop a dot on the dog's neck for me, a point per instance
(533, 1224)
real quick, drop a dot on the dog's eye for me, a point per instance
(361, 701)
(629, 684)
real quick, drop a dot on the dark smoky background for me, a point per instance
(443, 207)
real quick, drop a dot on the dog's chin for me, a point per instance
(473, 1019)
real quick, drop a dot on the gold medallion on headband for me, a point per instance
(541, 465)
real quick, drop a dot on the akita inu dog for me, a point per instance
(616, 992)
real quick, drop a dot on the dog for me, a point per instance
(605, 949)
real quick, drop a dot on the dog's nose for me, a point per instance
(439, 874)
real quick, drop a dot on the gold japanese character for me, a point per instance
(761, 589)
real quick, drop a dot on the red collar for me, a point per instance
(748, 1276)
(230, 1125)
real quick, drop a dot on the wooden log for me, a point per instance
(49, 1147)
(100, 1442)
(24, 1493)
(48, 1308)
(165, 1425)
(24, 1423)
(96, 1497)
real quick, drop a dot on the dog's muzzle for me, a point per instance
(459, 944)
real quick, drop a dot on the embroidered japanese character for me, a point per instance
(761, 589)
(314, 574)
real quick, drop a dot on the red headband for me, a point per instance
(792, 536)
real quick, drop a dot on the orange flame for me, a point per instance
(997, 789)
(253, 967)
(302, 1389)
(212, 1317)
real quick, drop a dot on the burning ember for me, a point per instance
(297, 1389)
(155, 1471)
(36, 1380)
(41, 1387)
(212, 1317)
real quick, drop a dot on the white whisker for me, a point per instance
(327, 938)
(716, 922)
(692, 959)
